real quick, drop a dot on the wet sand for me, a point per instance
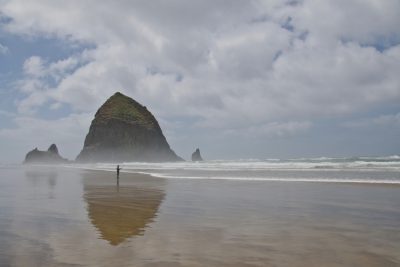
(71, 217)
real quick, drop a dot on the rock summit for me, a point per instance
(196, 156)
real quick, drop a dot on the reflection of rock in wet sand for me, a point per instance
(120, 213)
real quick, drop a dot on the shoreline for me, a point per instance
(232, 179)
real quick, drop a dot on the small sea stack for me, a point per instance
(196, 156)
(50, 156)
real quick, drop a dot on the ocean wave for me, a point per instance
(383, 170)
(259, 165)
(272, 179)
(238, 171)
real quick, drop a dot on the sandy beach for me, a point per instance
(72, 217)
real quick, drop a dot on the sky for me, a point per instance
(238, 79)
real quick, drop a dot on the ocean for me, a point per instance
(381, 170)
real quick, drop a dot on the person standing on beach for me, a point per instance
(118, 169)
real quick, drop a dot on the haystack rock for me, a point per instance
(196, 156)
(49, 156)
(124, 131)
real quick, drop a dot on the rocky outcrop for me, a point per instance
(53, 149)
(124, 130)
(50, 156)
(196, 155)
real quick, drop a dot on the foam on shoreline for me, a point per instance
(249, 178)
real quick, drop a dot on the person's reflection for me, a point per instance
(121, 211)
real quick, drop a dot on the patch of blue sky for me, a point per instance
(7, 93)
(287, 25)
(380, 43)
(303, 35)
(21, 48)
(383, 43)
(4, 19)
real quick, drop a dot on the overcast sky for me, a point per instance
(237, 78)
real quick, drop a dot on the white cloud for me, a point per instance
(365, 21)
(33, 66)
(220, 66)
(39, 80)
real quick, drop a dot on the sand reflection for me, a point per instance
(121, 211)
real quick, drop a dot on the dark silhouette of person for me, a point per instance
(118, 169)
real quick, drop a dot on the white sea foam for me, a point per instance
(249, 178)
(261, 165)
(277, 179)
(383, 170)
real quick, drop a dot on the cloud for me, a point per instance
(213, 65)
(219, 56)
(40, 78)
(368, 22)
(33, 66)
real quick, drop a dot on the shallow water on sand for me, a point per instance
(72, 217)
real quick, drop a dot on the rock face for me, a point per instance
(53, 149)
(49, 156)
(124, 130)
(196, 155)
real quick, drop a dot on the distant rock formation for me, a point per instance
(196, 155)
(49, 156)
(53, 149)
(124, 130)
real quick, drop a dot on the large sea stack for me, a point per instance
(124, 131)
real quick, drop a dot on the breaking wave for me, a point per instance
(383, 170)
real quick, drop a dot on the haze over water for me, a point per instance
(220, 213)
